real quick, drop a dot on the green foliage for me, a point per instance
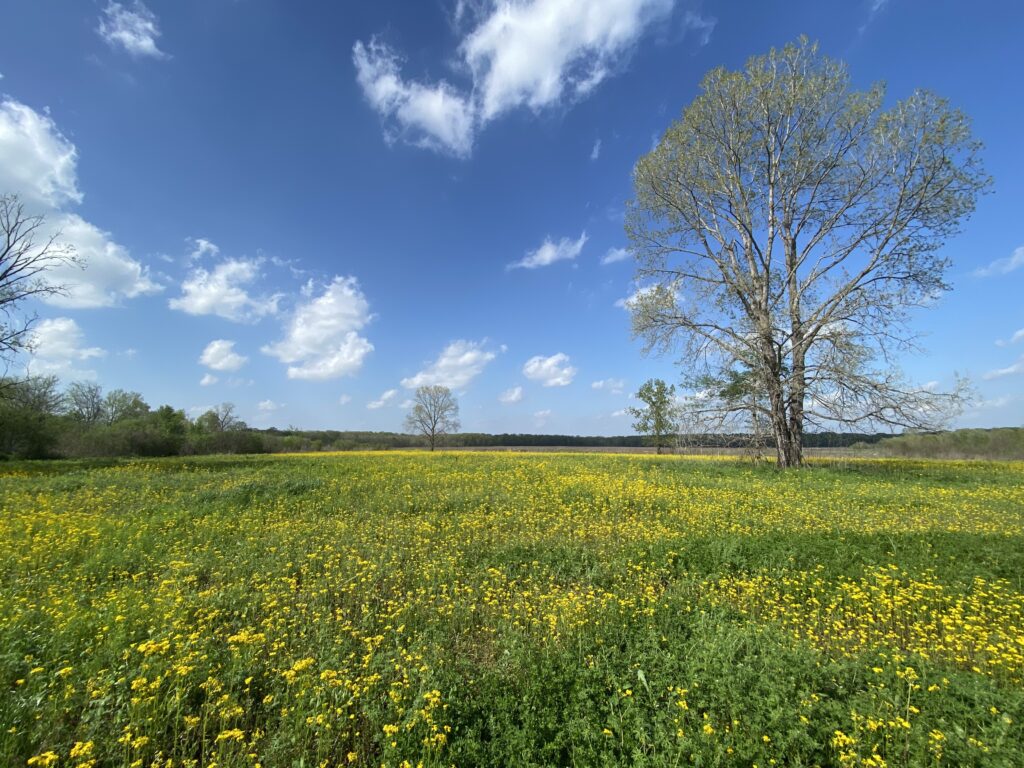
(499, 610)
(658, 418)
(1004, 443)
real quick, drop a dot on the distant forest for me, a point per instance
(41, 420)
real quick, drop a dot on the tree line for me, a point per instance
(40, 420)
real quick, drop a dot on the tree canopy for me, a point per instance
(784, 227)
(434, 414)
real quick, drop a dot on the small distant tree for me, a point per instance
(120, 405)
(434, 414)
(220, 419)
(24, 256)
(658, 418)
(84, 402)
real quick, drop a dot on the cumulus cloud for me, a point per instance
(382, 400)
(432, 116)
(208, 380)
(619, 413)
(133, 29)
(457, 365)
(268, 406)
(614, 386)
(220, 355)
(322, 338)
(110, 274)
(615, 254)
(344, 399)
(553, 371)
(38, 163)
(222, 291)
(540, 418)
(510, 396)
(536, 54)
(1003, 266)
(57, 347)
(550, 252)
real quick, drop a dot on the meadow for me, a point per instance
(457, 609)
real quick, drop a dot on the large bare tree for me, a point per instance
(25, 254)
(434, 414)
(783, 227)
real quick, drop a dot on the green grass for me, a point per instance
(483, 609)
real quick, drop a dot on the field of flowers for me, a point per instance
(406, 609)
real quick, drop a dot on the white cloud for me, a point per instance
(614, 386)
(344, 399)
(269, 406)
(222, 292)
(619, 413)
(1003, 266)
(615, 254)
(596, 151)
(549, 253)
(553, 371)
(629, 301)
(704, 27)
(541, 417)
(208, 380)
(432, 116)
(38, 163)
(57, 347)
(1017, 336)
(538, 53)
(202, 247)
(1017, 367)
(382, 400)
(534, 53)
(321, 337)
(457, 365)
(220, 355)
(510, 396)
(134, 30)
(108, 274)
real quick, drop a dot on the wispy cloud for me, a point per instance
(134, 29)
(613, 386)
(1003, 266)
(998, 373)
(615, 254)
(549, 252)
(510, 396)
(1017, 336)
(382, 400)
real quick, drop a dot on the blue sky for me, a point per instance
(309, 209)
